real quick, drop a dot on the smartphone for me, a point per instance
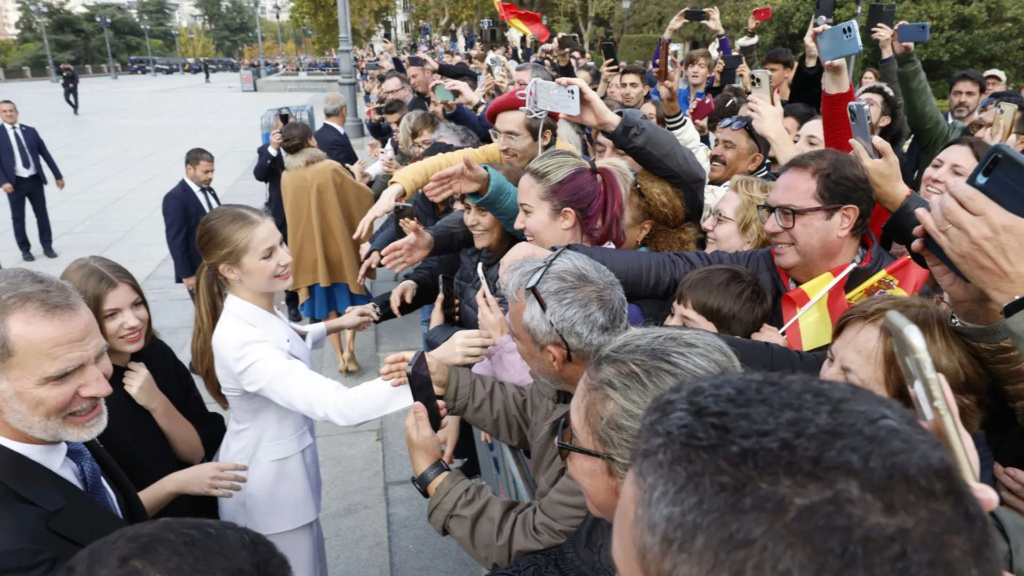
(695, 15)
(387, 35)
(924, 386)
(283, 114)
(881, 14)
(447, 284)
(608, 51)
(705, 106)
(917, 32)
(443, 94)
(415, 62)
(371, 66)
(732, 62)
(840, 41)
(402, 212)
(824, 12)
(761, 85)
(569, 41)
(762, 14)
(860, 124)
(663, 59)
(551, 97)
(483, 279)
(1000, 176)
(495, 63)
(1007, 113)
(422, 387)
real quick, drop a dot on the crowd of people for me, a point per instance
(674, 303)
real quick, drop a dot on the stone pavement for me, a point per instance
(119, 158)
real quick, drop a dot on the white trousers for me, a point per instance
(304, 548)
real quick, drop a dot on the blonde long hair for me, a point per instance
(222, 238)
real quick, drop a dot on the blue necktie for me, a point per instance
(21, 149)
(91, 475)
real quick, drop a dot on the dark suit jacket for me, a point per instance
(268, 169)
(45, 520)
(36, 148)
(182, 213)
(336, 145)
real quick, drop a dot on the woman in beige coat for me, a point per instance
(323, 205)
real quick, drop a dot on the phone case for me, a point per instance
(1005, 112)
(860, 125)
(608, 51)
(705, 106)
(1000, 177)
(824, 11)
(695, 15)
(762, 14)
(732, 61)
(840, 41)
(402, 212)
(881, 14)
(551, 97)
(422, 388)
(761, 85)
(917, 32)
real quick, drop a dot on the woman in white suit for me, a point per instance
(254, 361)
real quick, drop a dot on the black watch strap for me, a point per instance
(433, 471)
(1013, 306)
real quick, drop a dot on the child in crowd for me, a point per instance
(723, 299)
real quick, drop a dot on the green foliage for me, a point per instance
(230, 24)
(637, 47)
(322, 17)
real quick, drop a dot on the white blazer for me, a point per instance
(264, 369)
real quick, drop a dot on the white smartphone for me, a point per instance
(551, 97)
(483, 279)
(924, 386)
(761, 85)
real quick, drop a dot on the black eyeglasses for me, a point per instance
(745, 124)
(786, 217)
(563, 440)
(532, 287)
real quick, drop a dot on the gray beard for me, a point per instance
(14, 412)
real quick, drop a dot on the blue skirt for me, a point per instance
(334, 298)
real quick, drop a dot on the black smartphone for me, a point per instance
(824, 12)
(422, 387)
(447, 284)
(731, 62)
(402, 212)
(283, 114)
(1000, 176)
(371, 66)
(881, 14)
(695, 15)
(608, 51)
(387, 35)
(570, 41)
(415, 61)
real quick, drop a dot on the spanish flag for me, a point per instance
(901, 278)
(526, 22)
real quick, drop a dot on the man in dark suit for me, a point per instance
(69, 80)
(331, 137)
(184, 206)
(22, 178)
(268, 169)
(59, 489)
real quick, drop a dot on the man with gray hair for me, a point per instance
(562, 310)
(331, 137)
(59, 490)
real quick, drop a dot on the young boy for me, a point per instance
(722, 299)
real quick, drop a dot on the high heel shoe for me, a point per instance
(351, 364)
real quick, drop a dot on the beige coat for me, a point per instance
(323, 205)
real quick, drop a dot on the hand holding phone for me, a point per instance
(762, 14)
(761, 85)
(443, 94)
(914, 33)
(860, 125)
(695, 15)
(284, 114)
(422, 387)
(663, 59)
(549, 96)
(840, 41)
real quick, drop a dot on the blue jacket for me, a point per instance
(336, 145)
(36, 149)
(182, 213)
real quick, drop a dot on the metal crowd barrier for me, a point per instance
(505, 470)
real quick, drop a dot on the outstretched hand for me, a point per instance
(410, 250)
(466, 177)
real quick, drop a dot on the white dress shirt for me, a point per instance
(336, 127)
(202, 197)
(54, 457)
(19, 170)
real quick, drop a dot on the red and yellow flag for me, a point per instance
(901, 278)
(526, 22)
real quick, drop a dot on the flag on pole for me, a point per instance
(810, 311)
(526, 22)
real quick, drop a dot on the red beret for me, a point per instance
(510, 101)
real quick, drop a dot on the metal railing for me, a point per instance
(505, 470)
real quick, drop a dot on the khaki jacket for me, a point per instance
(491, 530)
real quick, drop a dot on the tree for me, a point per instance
(587, 12)
(322, 17)
(159, 15)
(201, 46)
(230, 24)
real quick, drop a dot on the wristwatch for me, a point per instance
(1013, 306)
(433, 471)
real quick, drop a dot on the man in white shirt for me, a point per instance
(183, 207)
(22, 178)
(331, 137)
(59, 490)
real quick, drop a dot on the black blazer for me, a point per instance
(268, 169)
(336, 145)
(182, 213)
(45, 520)
(36, 148)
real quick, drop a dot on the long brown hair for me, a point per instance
(658, 202)
(222, 238)
(94, 277)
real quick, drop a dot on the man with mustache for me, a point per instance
(739, 151)
(59, 489)
(965, 90)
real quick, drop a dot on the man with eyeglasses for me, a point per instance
(562, 311)
(816, 218)
(396, 86)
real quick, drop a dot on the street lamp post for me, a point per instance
(280, 42)
(177, 49)
(149, 49)
(40, 14)
(347, 68)
(192, 41)
(625, 16)
(104, 22)
(259, 38)
(306, 34)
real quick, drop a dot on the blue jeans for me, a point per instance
(425, 321)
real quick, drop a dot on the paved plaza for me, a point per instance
(119, 158)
